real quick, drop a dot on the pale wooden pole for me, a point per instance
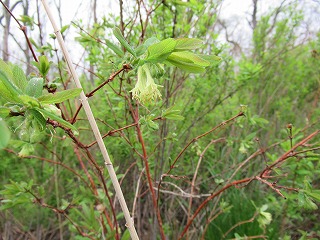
(94, 127)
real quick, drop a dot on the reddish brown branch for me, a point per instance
(151, 189)
(201, 136)
(63, 212)
(68, 131)
(288, 154)
(53, 162)
(205, 202)
(23, 29)
(125, 67)
(111, 132)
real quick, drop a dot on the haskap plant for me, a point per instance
(35, 102)
(26, 97)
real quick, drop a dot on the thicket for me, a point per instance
(204, 145)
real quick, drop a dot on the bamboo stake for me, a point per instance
(94, 127)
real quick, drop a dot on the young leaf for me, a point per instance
(114, 48)
(188, 57)
(4, 112)
(5, 134)
(117, 33)
(34, 87)
(54, 117)
(314, 194)
(264, 218)
(14, 194)
(188, 61)
(152, 125)
(19, 78)
(309, 204)
(44, 65)
(6, 94)
(307, 184)
(26, 150)
(39, 118)
(126, 235)
(8, 89)
(185, 66)
(159, 52)
(187, 44)
(143, 47)
(210, 58)
(59, 96)
(5, 68)
(172, 113)
(64, 28)
(306, 202)
(30, 101)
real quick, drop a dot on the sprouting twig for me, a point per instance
(289, 153)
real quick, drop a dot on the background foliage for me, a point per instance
(54, 184)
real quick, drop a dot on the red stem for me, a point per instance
(23, 29)
(205, 202)
(125, 67)
(153, 194)
(289, 153)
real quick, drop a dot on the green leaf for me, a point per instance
(151, 124)
(218, 180)
(117, 33)
(307, 184)
(5, 134)
(34, 87)
(143, 47)
(126, 235)
(27, 150)
(9, 88)
(315, 194)
(30, 101)
(187, 44)
(54, 117)
(4, 112)
(15, 193)
(64, 28)
(189, 57)
(34, 43)
(5, 68)
(53, 109)
(39, 118)
(114, 48)
(44, 66)
(59, 97)
(306, 202)
(19, 78)
(264, 218)
(210, 58)
(159, 52)
(172, 113)
(6, 94)
(27, 20)
(309, 204)
(188, 67)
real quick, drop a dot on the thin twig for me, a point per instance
(23, 29)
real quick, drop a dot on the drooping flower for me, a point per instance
(145, 89)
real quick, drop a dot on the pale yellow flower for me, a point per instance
(145, 89)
